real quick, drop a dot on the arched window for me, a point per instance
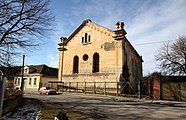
(95, 63)
(86, 35)
(89, 38)
(75, 64)
(82, 39)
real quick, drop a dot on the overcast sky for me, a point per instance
(148, 23)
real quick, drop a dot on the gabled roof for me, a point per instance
(66, 40)
(80, 27)
(43, 69)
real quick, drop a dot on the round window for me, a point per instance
(85, 57)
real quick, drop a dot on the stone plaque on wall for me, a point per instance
(107, 46)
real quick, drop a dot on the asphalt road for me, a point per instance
(102, 107)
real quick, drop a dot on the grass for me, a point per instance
(49, 111)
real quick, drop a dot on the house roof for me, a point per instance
(43, 69)
(10, 72)
(166, 78)
(176, 78)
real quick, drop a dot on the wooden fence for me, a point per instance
(105, 88)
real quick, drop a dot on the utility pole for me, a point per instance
(2, 90)
(22, 73)
(139, 88)
(185, 57)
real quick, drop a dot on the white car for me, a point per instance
(47, 90)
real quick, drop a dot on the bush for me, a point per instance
(10, 93)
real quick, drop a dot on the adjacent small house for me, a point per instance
(36, 76)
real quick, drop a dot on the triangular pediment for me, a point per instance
(91, 24)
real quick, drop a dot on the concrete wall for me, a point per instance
(45, 81)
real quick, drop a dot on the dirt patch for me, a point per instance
(33, 109)
(49, 111)
(28, 111)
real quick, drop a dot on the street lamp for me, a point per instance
(62, 48)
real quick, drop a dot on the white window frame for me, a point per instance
(30, 81)
(35, 81)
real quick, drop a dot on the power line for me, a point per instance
(52, 53)
(42, 54)
(153, 42)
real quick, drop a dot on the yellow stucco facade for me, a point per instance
(96, 54)
(33, 81)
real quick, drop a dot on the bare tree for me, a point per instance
(21, 22)
(172, 57)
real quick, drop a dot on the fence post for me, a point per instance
(85, 88)
(69, 86)
(117, 84)
(139, 89)
(104, 88)
(94, 88)
(2, 90)
(149, 87)
(77, 88)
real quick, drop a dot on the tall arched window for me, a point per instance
(86, 35)
(82, 39)
(95, 63)
(75, 64)
(88, 38)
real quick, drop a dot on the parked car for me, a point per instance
(47, 90)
